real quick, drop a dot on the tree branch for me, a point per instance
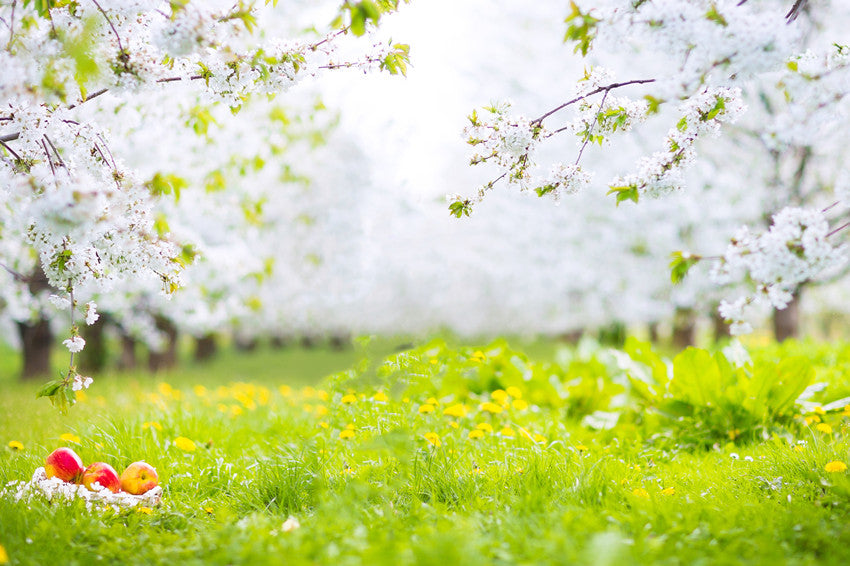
(604, 89)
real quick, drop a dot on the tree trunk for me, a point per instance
(279, 342)
(129, 360)
(786, 322)
(167, 357)
(36, 342)
(684, 328)
(339, 342)
(653, 332)
(572, 336)
(721, 327)
(94, 356)
(36, 336)
(244, 344)
(205, 347)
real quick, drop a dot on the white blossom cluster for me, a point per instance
(701, 115)
(506, 140)
(701, 42)
(55, 489)
(794, 250)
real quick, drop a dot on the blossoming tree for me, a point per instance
(702, 64)
(72, 212)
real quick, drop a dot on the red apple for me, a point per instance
(63, 463)
(104, 474)
(139, 478)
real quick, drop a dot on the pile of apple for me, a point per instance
(63, 463)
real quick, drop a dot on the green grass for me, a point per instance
(555, 492)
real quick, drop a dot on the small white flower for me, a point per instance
(60, 303)
(81, 382)
(74, 344)
(91, 313)
(734, 455)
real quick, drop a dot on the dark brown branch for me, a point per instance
(49, 159)
(591, 93)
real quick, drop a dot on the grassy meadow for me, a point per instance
(450, 454)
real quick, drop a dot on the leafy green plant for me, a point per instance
(712, 399)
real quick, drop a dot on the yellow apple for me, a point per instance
(139, 478)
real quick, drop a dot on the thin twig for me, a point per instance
(839, 229)
(12, 25)
(10, 150)
(592, 125)
(115, 31)
(591, 93)
(49, 159)
(53, 147)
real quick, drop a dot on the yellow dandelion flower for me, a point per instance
(165, 388)
(434, 362)
(433, 438)
(581, 447)
(4, 557)
(380, 397)
(820, 410)
(812, 419)
(82, 396)
(486, 427)
(835, 466)
(15, 445)
(478, 356)
(350, 426)
(323, 424)
(640, 492)
(346, 434)
(520, 471)
(209, 510)
(799, 447)
(144, 510)
(199, 391)
(490, 407)
(514, 392)
(824, 428)
(151, 424)
(222, 408)
(432, 401)
(184, 444)
(668, 491)
(308, 392)
(348, 399)
(285, 390)
(426, 408)
(733, 434)
(507, 432)
(68, 437)
(476, 433)
(322, 395)
(321, 410)
(454, 424)
(519, 404)
(458, 410)
(499, 396)
(235, 410)
(307, 408)
(406, 400)
(539, 438)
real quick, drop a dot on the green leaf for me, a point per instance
(50, 388)
(680, 264)
(625, 193)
